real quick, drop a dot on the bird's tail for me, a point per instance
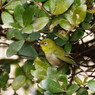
(70, 61)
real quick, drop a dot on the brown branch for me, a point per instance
(10, 61)
(68, 31)
(0, 4)
(88, 50)
(4, 43)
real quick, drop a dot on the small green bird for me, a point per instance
(54, 53)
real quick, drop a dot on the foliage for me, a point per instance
(25, 22)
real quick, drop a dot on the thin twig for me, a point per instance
(4, 43)
(26, 56)
(42, 8)
(7, 4)
(68, 31)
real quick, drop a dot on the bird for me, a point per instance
(55, 54)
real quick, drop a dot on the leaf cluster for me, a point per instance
(26, 22)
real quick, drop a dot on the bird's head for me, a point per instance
(47, 45)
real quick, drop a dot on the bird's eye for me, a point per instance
(45, 43)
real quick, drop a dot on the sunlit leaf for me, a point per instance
(13, 5)
(51, 85)
(40, 23)
(79, 14)
(18, 82)
(78, 81)
(28, 29)
(40, 74)
(59, 6)
(91, 85)
(38, 63)
(65, 24)
(7, 18)
(72, 89)
(62, 35)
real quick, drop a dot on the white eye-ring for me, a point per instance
(45, 43)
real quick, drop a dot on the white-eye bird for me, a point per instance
(54, 53)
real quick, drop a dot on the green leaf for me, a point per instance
(28, 29)
(41, 13)
(18, 82)
(59, 6)
(18, 34)
(85, 80)
(60, 42)
(3, 1)
(89, 17)
(91, 85)
(28, 52)
(46, 6)
(63, 36)
(27, 67)
(65, 24)
(28, 15)
(40, 0)
(52, 4)
(51, 85)
(72, 89)
(68, 47)
(82, 91)
(63, 78)
(34, 36)
(19, 71)
(79, 14)
(86, 25)
(23, 1)
(56, 21)
(48, 93)
(14, 48)
(38, 63)
(10, 34)
(40, 74)
(6, 67)
(7, 18)
(77, 35)
(13, 5)
(15, 25)
(92, 11)
(78, 81)
(52, 72)
(3, 79)
(77, 2)
(40, 23)
(18, 14)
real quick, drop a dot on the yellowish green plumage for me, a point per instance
(54, 53)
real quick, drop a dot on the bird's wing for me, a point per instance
(65, 57)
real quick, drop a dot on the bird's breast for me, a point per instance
(53, 60)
